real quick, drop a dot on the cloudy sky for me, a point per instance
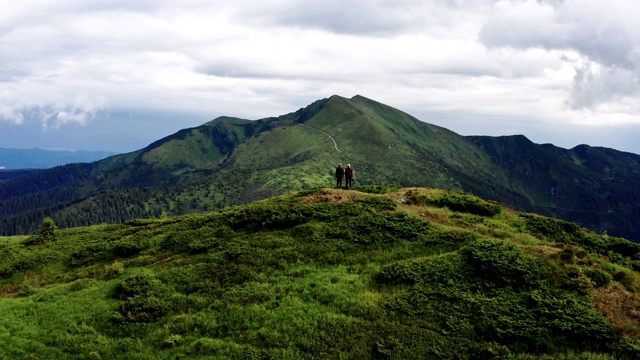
(117, 75)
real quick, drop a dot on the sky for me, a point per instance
(116, 75)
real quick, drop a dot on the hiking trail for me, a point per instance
(324, 132)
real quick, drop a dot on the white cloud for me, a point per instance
(603, 34)
(572, 61)
(51, 114)
(9, 114)
(82, 111)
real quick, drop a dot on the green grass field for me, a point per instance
(383, 273)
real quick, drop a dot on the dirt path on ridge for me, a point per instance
(324, 132)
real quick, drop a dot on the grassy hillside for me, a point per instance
(388, 273)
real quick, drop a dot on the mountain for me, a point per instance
(594, 186)
(326, 274)
(41, 159)
(235, 161)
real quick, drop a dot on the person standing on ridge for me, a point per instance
(339, 176)
(348, 174)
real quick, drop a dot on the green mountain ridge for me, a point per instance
(231, 161)
(388, 273)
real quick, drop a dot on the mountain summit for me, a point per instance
(233, 161)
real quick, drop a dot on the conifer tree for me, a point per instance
(47, 229)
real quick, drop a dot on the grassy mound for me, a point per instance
(387, 273)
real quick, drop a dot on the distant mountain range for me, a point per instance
(231, 161)
(42, 159)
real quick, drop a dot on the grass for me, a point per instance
(323, 273)
(12, 239)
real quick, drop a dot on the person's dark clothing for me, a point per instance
(348, 174)
(339, 176)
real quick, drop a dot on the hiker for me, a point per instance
(339, 176)
(348, 174)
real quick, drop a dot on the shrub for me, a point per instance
(262, 215)
(87, 255)
(134, 285)
(47, 229)
(571, 254)
(81, 284)
(489, 350)
(553, 229)
(441, 269)
(469, 204)
(26, 291)
(144, 309)
(618, 250)
(114, 269)
(128, 246)
(627, 349)
(46, 232)
(577, 280)
(311, 231)
(502, 263)
(380, 203)
(457, 202)
(377, 189)
(625, 279)
(202, 245)
(145, 300)
(598, 277)
(494, 294)
(172, 340)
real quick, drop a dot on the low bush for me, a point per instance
(129, 246)
(88, 255)
(144, 309)
(377, 189)
(598, 277)
(135, 285)
(627, 349)
(626, 280)
(114, 269)
(27, 290)
(502, 263)
(456, 202)
(380, 203)
(577, 280)
(144, 298)
(618, 250)
(311, 231)
(520, 312)
(81, 284)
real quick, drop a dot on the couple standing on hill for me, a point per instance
(347, 174)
